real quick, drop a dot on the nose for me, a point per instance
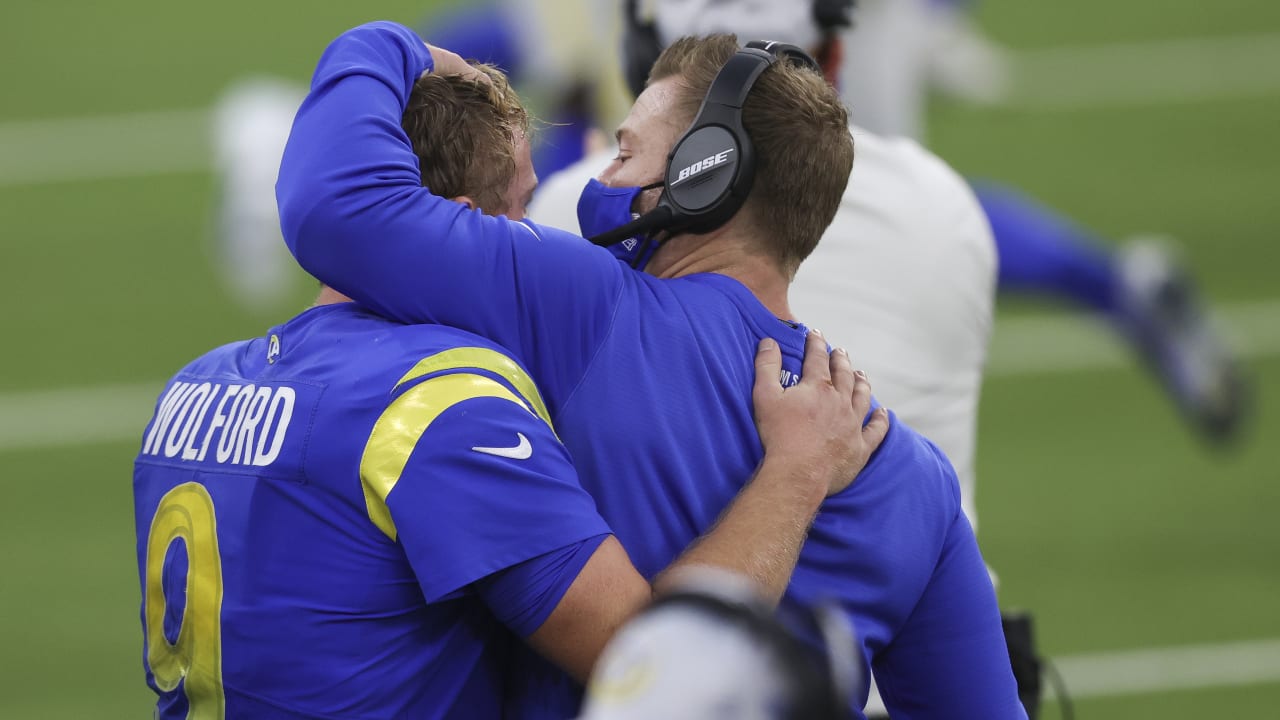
(606, 176)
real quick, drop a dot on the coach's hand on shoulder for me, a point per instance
(816, 425)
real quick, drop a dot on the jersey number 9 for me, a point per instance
(186, 513)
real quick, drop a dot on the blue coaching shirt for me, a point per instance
(341, 519)
(648, 382)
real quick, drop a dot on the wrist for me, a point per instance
(797, 478)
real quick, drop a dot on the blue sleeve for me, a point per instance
(950, 659)
(355, 214)
(523, 596)
(475, 499)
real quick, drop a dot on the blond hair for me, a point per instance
(463, 131)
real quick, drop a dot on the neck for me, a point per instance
(717, 253)
(329, 296)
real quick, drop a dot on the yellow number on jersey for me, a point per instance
(186, 513)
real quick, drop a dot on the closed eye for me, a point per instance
(622, 136)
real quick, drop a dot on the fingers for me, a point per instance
(861, 394)
(842, 371)
(447, 62)
(768, 371)
(816, 365)
(443, 61)
(873, 432)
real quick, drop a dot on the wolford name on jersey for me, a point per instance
(238, 424)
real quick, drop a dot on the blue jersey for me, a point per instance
(343, 518)
(648, 382)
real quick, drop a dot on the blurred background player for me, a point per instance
(916, 46)
(569, 80)
(899, 50)
(250, 125)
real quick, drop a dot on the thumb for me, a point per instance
(768, 371)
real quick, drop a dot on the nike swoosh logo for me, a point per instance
(521, 451)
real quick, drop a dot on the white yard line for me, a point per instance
(1064, 79)
(1153, 670)
(1187, 70)
(75, 416)
(36, 152)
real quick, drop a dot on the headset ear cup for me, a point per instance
(703, 170)
(711, 168)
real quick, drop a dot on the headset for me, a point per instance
(711, 168)
(641, 45)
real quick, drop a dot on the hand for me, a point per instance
(816, 425)
(447, 62)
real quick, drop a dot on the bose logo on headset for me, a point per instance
(703, 165)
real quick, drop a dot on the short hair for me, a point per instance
(463, 132)
(800, 131)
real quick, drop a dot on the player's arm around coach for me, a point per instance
(815, 444)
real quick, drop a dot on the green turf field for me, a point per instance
(1100, 512)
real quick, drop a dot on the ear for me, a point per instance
(471, 204)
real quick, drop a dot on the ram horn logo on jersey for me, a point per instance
(273, 349)
(702, 166)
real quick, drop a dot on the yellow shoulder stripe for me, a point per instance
(401, 425)
(484, 359)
